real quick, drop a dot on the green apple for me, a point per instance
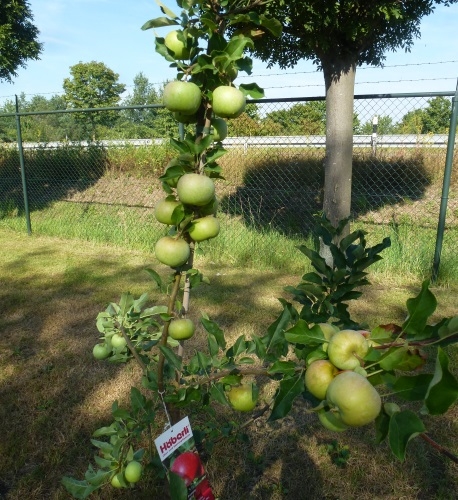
(355, 399)
(346, 348)
(173, 252)
(133, 471)
(163, 211)
(328, 331)
(195, 189)
(331, 421)
(241, 398)
(228, 102)
(117, 480)
(219, 129)
(101, 351)
(181, 329)
(204, 228)
(118, 341)
(318, 376)
(210, 208)
(177, 46)
(182, 118)
(182, 97)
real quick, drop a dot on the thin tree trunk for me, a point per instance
(339, 77)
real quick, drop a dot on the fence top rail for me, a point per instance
(249, 101)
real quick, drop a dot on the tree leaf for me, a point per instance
(443, 389)
(213, 329)
(300, 333)
(159, 22)
(252, 89)
(285, 367)
(171, 357)
(420, 309)
(289, 389)
(404, 426)
(137, 400)
(413, 388)
(400, 358)
(78, 489)
(178, 489)
(218, 394)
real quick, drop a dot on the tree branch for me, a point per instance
(439, 448)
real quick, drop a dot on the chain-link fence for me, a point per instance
(106, 188)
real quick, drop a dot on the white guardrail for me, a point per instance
(314, 141)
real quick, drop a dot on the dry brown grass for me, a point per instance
(53, 394)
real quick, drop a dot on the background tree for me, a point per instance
(436, 118)
(338, 37)
(18, 37)
(301, 119)
(143, 93)
(93, 85)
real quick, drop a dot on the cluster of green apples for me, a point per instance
(113, 342)
(184, 98)
(131, 475)
(196, 194)
(350, 399)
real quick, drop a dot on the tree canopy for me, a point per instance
(338, 36)
(18, 37)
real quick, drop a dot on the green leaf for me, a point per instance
(238, 348)
(420, 309)
(382, 425)
(100, 478)
(252, 89)
(404, 426)
(413, 388)
(78, 489)
(166, 10)
(289, 389)
(275, 332)
(400, 358)
(273, 25)
(213, 329)
(159, 22)
(284, 367)
(102, 445)
(443, 389)
(137, 399)
(106, 431)
(300, 333)
(218, 394)
(171, 357)
(178, 489)
(154, 311)
(126, 302)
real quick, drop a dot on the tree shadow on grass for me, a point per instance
(53, 393)
(52, 174)
(283, 193)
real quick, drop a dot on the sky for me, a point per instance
(109, 31)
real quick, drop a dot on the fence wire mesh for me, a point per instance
(106, 189)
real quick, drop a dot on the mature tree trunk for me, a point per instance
(339, 77)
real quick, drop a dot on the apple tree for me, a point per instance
(349, 374)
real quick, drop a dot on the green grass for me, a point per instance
(54, 394)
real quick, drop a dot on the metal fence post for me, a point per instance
(446, 185)
(22, 164)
